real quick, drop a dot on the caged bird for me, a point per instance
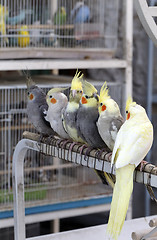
(57, 102)
(80, 13)
(36, 106)
(110, 119)
(60, 16)
(24, 36)
(133, 142)
(70, 112)
(3, 18)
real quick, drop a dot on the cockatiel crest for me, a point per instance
(90, 97)
(88, 88)
(104, 93)
(129, 103)
(76, 81)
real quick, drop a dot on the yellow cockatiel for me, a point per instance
(133, 142)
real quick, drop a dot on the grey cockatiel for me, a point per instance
(70, 112)
(36, 106)
(57, 102)
(110, 119)
(87, 116)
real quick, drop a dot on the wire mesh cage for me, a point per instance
(47, 179)
(79, 28)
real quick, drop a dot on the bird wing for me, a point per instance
(115, 125)
(43, 109)
(129, 143)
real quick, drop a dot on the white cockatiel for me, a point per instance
(57, 102)
(133, 142)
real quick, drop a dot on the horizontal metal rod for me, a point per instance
(147, 176)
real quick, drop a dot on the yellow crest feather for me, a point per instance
(104, 92)
(88, 88)
(129, 102)
(76, 81)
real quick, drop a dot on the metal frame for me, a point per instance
(146, 14)
(102, 164)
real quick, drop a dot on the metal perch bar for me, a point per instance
(147, 176)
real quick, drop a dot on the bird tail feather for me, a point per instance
(120, 200)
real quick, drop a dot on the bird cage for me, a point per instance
(47, 180)
(58, 29)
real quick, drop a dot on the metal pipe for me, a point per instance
(149, 102)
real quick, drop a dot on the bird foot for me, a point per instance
(72, 145)
(58, 142)
(82, 148)
(64, 143)
(89, 149)
(142, 165)
(99, 152)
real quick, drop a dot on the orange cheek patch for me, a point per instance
(103, 108)
(84, 100)
(31, 96)
(128, 116)
(53, 100)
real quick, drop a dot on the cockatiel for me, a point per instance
(110, 119)
(70, 113)
(36, 106)
(133, 142)
(87, 116)
(57, 102)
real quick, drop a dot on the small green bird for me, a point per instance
(60, 16)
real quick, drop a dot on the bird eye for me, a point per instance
(126, 112)
(50, 96)
(86, 96)
(80, 91)
(28, 93)
(101, 104)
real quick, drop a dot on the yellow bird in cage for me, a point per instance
(3, 17)
(24, 36)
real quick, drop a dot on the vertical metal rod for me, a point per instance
(149, 103)
(18, 190)
(128, 48)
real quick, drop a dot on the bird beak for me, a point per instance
(74, 92)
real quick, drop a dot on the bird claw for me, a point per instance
(72, 145)
(82, 148)
(64, 143)
(142, 165)
(89, 149)
(58, 142)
